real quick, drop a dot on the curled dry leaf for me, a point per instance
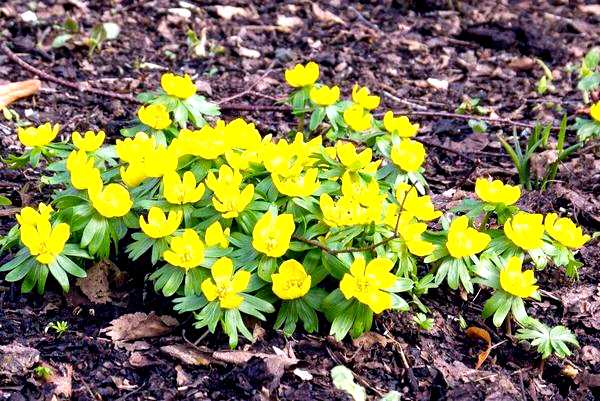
(482, 334)
(62, 378)
(289, 22)
(186, 354)
(13, 91)
(95, 286)
(139, 325)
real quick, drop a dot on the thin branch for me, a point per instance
(73, 85)
(250, 88)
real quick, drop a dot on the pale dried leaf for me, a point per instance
(186, 354)
(95, 286)
(369, 339)
(303, 374)
(139, 325)
(325, 15)
(289, 22)
(248, 53)
(139, 360)
(17, 359)
(228, 12)
(590, 8)
(540, 162)
(182, 378)
(62, 378)
(14, 91)
(441, 84)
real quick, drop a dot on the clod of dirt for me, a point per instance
(583, 304)
(17, 359)
(96, 286)
(139, 325)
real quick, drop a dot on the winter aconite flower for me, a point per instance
(410, 231)
(271, 234)
(525, 230)
(407, 154)
(362, 96)
(464, 241)
(354, 161)
(134, 150)
(82, 171)
(517, 282)
(225, 285)
(324, 95)
(413, 204)
(228, 199)
(565, 231)
(111, 201)
(179, 86)
(216, 236)
(301, 185)
(30, 216)
(158, 225)
(133, 175)
(155, 116)
(186, 251)
(301, 75)
(399, 125)
(366, 283)
(44, 241)
(497, 192)
(89, 142)
(291, 281)
(38, 136)
(178, 191)
(357, 118)
(595, 111)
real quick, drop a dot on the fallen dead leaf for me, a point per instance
(303, 374)
(248, 53)
(186, 354)
(139, 360)
(17, 359)
(95, 286)
(590, 8)
(540, 162)
(289, 22)
(62, 380)
(369, 339)
(569, 371)
(482, 334)
(139, 325)
(182, 377)
(325, 15)
(590, 354)
(123, 384)
(522, 64)
(14, 91)
(441, 84)
(228, 12)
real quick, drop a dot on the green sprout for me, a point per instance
(59, 327)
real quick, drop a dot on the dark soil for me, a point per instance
(484, 49)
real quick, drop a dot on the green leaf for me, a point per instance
(501, 312)
(67, 265)
(59, 274)
(334, 266)
(343, 379)
(267, 266)
(61, 40)
(4, 201)
(316, 118)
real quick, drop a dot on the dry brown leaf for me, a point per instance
(325, 15)
(228, 12)
(441, 84)
(248, 53)
(482, 334)
(139, 325)
(590, 8)
(289, 22)
(95, 286)
(182, 378)
(370, 338)
(186, 354)
(540, 162)
(14, 91)
(139, 360)
(62, 378)
(17, 359)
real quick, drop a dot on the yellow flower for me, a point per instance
(301, 75)
(346, 152)
(160, 161)
(409, 155)
(355, 187)
(227, 198)
(289, 159)
(111, 201)
(347, 211)
(207, 142)
(399, 125)
(302, 185)
(133, 175)
(38, 136)
(30, 216)
(44, 241)
(159, 225)
(516, 282)
(357, 118)
(82, 171)
(324, 95)
(242, 160)
(89, 142)
(271, 234)
(186, 251)
(463, 240)
(242, 135)
(410, 231)
(565, 231)
(155, 116)
(525, 230)
(420, 207)
(225, 285)
(595, 111)
(291, 281)
(131, 150)
(497, 192)
(365, 282)
(178, 191)
(363, 97)
(215, 235)
(178, 86)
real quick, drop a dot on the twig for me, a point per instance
(137, 390)
(250, 88)
(256, 107)
(73, 85)
(364, 20)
